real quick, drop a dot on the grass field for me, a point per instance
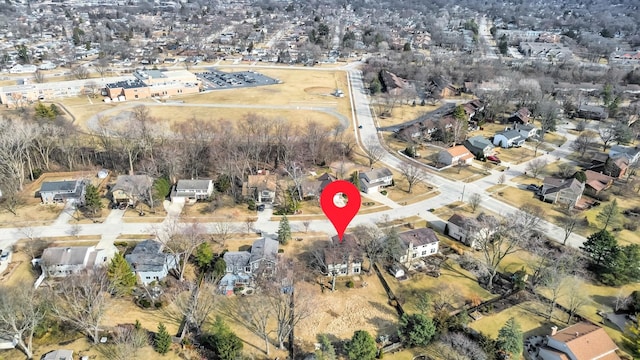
(404, 113)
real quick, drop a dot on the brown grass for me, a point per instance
(404, 113)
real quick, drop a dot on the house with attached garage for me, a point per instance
(376, 179)
(596, 182)
(417, 244)
(631, 153)
(583, 340)
(244, 266)
(56, 192)
(468, 230)
(261, 187)
(64, 261)
(129, 189)
(563, 191)
(479, 146)
(508, 138)
(455, 155)
(311, 189)
(526, 131)
(149, 263)
(190, 191)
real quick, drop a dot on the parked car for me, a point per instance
(4, 255)
(261, 207)
(533, 187)
(494, 159)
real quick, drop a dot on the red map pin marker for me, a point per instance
(340, 217)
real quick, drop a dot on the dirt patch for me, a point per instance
(318, 90)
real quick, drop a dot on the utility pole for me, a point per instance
(463, 187)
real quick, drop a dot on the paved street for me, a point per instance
(450, 191)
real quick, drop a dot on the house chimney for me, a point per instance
(554, 330)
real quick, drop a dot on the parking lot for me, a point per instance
(215, 79)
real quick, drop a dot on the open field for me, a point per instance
(403, 113)
(463, 173)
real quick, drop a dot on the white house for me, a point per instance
(47, 65)
(63, 261)
(52, 192)
(343, 257)
(418, 243)
(526, 131)
(192, 190)
(455, 155)
(23, 69)
(149, 263)
(374, 180)
(583, 340)
(261, 187)
(508, 138)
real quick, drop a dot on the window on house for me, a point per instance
(414, 255)
(424, 252)
(433, 250)
(148, 277)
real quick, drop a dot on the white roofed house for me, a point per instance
(192, 190)
(64, 261)
(374, 180)
(149, 263)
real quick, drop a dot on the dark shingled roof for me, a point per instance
(418, 237)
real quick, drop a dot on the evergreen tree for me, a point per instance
(327, 351)
(459, 113)
(393, 248)
(219, 267)
(92, 199)
(204, 256)
(362, 346)
(632, 338)
(225, 344)
(601, 247)
(121, 276)
(510, 338)
(416, 330)
(284, 231)
(609, 215)
(162, 340)
(355, 178)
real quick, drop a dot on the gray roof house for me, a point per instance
(243, 266)
(375, 179)
(63, 261)
(467, 230)
(527, 130)
(59, 355)
(479, 145)
(149, 263)
(592, 112)
(631, 153)
(52, 192)
(418, 243)
(508, 138)
(343, 257)
(192, 190)
(564, 191)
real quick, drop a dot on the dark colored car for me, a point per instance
(261, 207)
(533, 187)
(494, 159)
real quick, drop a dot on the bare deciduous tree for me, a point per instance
(81, 301)
(412, 174)
(80, 72)
(474, 201)
(101, 66)
(568, 221)
(306, 225)
(607, 136)
(38, 77)
(535, 166)
(21, 313)
(254, 313)
(583, 142)
(125, 343)
(195, 303)
(576, 296)
(249, 222)
(373, 150)
(181, 240)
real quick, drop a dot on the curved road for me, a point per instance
(450, 191)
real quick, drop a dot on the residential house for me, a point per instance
(410, 132)
(522, 116)
(54, 192)
(58, 355)
(417, 244)
(261, 187)
(63, 261)
(374, 180)
(313, 188)
(455, 155)
(129, 189)
(592, 112)
(468, 230)
(508, 138)
(192, 190)
(244, 266)
(442, 88)
(343, 258)
(582, 341)
(395, 85)
(564, 191)
(149, 263)
(631, 153)
(526, 131)
(615, 167)
(479, 146)
(596, 182)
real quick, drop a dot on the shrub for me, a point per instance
(383, 192)
(251, 205)
(350, 284)
(280, 251)
(631, 226)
